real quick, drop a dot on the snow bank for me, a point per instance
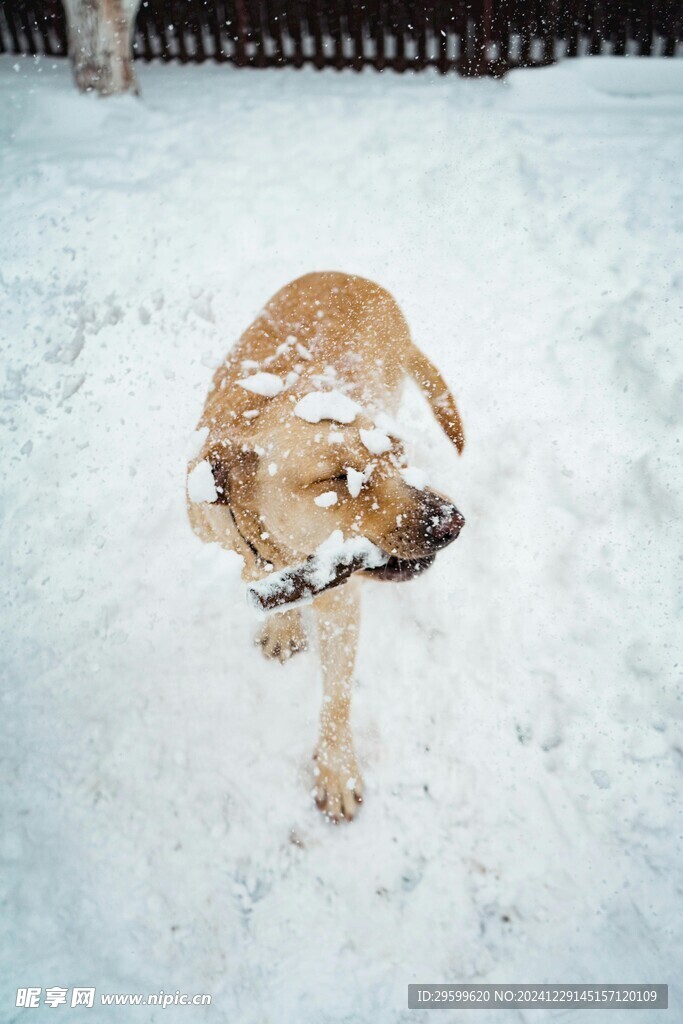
(517, 708)
(600, 84)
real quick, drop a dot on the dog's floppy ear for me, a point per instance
(225, 512)
(219, 470)
(437, 393)
(233, 468)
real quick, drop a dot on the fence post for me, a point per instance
(100, 44)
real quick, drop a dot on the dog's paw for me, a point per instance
(282, 636)
(338, 790)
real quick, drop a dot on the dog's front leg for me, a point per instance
(338, 785)
(282, 635)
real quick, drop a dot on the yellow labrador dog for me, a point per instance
(295, 445)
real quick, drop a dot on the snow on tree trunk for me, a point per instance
(100, 44)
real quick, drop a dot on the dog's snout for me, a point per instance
(444, 523)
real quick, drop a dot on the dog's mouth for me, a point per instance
(397, 570)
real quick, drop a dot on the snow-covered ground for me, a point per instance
(516, 709)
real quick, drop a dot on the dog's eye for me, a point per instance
(336, 479)
(329, 478)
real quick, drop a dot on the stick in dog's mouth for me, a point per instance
(330, 566)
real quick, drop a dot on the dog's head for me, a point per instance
(299, 478)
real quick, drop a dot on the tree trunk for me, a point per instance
(100, 44)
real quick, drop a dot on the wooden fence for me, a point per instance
(475, 37)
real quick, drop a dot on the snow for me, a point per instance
(197, 442)
(326, 405)
(338, 550)
(326, 500)
(158, 826)
(354, 481)
(200, 483)
(388, 424)
(414, 477)
(267, 384)
(375, 440)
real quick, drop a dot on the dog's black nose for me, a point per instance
(443, 523)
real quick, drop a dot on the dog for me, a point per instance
(296, 441)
